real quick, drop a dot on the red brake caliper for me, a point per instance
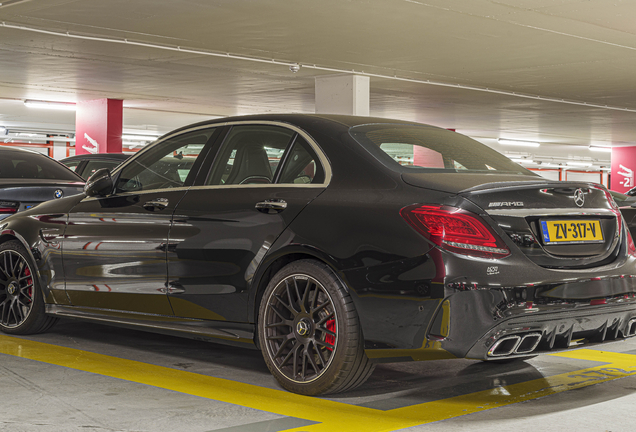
(27, 272)
(331, 326)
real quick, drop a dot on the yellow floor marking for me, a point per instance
(331, 415)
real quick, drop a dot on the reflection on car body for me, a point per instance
(330, 243)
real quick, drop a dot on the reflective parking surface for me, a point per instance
(88, 377)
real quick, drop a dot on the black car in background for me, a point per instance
(85, 165)
(330, 243)
(28, 178)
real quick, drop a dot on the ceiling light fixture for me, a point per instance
(518, 143)
(50, 105)
(580, 164)
(139, 137)
(597, 148)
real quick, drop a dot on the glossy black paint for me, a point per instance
(203, 259)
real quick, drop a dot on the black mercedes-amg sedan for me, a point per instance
(330, 243)
(28, 178)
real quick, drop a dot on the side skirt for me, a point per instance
(229, 333)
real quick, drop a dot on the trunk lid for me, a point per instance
(564, 225)
(27, 193)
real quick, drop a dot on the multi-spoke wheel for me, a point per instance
(309, 331)
(21, 303)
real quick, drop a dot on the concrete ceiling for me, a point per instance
(555, 71)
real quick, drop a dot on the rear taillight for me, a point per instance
(8, 207)
(455, 230)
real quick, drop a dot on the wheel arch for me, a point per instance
(277, 261)
(7, 235)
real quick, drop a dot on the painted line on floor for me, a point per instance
(328, 415)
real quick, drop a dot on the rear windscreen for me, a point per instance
(413, 148)
(27, 165)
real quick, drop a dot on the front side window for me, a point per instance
(414, 148)
(167, 165)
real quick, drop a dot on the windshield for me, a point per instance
(27, 165)
(414, 148)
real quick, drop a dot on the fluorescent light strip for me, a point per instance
(600, 149)
(581, 164)
(50, 105)
(139, 137)
(518, 143)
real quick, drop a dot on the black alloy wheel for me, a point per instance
(300, 328)
(309, 331)
(21, 303)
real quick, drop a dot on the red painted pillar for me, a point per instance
(623, 168)
(98, 126)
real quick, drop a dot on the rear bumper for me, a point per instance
(553, 331)
(471, 325)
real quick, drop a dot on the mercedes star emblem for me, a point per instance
(579, 197)
(302, 327)
(59, 193)
(12, 289)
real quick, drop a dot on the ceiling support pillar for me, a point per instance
(623, 168)
(342, 94)
(99, 126)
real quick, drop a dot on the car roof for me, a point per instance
(309, 121)
(111, 156)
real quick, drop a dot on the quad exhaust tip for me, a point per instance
(519, 344)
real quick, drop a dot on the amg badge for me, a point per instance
(506, 204)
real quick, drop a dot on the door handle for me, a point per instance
(156, 204)
(271, 206)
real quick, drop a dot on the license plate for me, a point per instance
(571, 231)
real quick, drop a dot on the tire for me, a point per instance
(21, 299)
(309, 331)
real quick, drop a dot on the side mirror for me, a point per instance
(99, 184)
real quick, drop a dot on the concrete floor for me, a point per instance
(147, 382)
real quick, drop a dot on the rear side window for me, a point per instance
(263, 155)
(27, 165)
(250, 155)
(413, 148)
(301, 165)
